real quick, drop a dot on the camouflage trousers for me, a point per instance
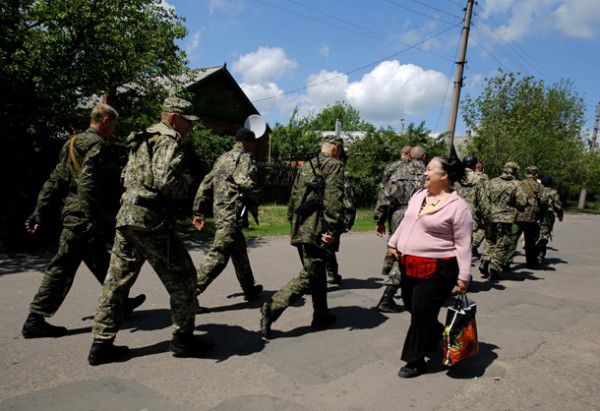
(498, 240)
(388, 261)
(312, 277)
(546, 227)
(228, 243)
(167, 254)
(531, 233)
(59, 276)
(478, 237)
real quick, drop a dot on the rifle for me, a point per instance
(247, 203)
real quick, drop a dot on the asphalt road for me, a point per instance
(539, 341)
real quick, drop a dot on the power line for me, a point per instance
(436, 9)
(418, 12)
(353, 70)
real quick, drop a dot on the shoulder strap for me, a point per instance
(76, 164)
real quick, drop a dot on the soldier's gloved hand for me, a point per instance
(33, 222)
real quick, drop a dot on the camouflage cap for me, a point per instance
(511, 166)
(531, 170)
(179, 106)
(333, 139)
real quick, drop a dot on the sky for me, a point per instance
(392, 60)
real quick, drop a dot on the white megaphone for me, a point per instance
(257, 124)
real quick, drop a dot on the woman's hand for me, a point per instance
(460, 287)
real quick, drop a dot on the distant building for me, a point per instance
(223, 106)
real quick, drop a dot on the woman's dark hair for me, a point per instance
(453, 167)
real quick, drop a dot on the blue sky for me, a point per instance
(389, 59)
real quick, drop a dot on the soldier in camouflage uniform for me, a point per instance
(479, 233)
(530, 209)
(77, 182)
(554, 208)
(153, 178)
(232, 190)
(501, 199)
(349, 215)
(383, 210)
(400, 188)
(315, 212)
(472, 189)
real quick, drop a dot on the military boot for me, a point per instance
(131, 304)
(475, 252)
(266, 320)
(104, 352)
(495, 276)
(483, 268)
(322, 319)
(387, 303)
(253, 293)
(36, 327)
(334, 279)
(189, 345)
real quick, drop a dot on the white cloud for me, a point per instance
(193, 43)
(325, 51)
(395, 90)
(264, 64)
(266, 97)
(225, 5)
(389, 92)
(578, 18)
(573, 18)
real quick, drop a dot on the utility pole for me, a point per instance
(458, 82)
(583, 192)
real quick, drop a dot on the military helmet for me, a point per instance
(469, 161)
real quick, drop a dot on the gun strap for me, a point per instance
(76, 164)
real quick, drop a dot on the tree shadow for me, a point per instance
(18, 263)
(349, 317)
(478, 286)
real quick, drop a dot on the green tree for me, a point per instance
(348, 115)
(523, 120)
(295, 140)
(54, 55)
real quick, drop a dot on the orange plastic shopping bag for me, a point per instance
(460, 333)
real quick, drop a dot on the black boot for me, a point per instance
(253, 293)
(335, 279)
(387, 303)
(104, 352)
(131, 304)
(322, 319)
(36, 327)
(189, 345)
(265, 320)
(495, 276)
(483, 268)
(475, 252)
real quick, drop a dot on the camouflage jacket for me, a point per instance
(77, 182)
(307, 229)
(349, 202)
(231, 185)
(552, 201)
(529, 201)
(153, 177)
(385, 205)
(472, 189)
(501, 196)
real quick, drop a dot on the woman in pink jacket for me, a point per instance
(433, 246)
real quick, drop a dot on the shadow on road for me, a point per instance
(468, 369)
(351, 317)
